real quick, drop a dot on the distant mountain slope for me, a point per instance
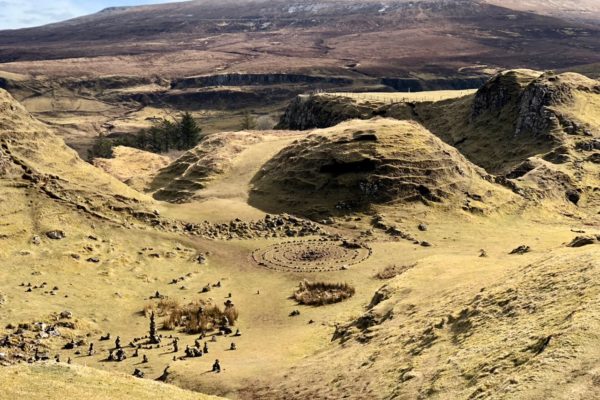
(586, 10)
(395, 37)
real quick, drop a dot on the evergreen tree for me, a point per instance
(155, 139)
(141, 140)
(189, 132)
(247, 121)
(102, 148)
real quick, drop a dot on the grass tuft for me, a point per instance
(321, 293)
(195, 317)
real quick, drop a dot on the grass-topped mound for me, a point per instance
(359, 163)
(134, 167)
(321, 293)
(180, 180)
(215, 156)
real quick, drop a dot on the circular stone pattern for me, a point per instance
(310, 256)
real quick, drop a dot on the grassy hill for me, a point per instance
(59, 381)
(478, 292)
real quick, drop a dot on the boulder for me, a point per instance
(56, 235)
(581, 241)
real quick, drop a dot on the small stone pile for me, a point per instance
(30, 342)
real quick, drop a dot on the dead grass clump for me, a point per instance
(161, 308)
(199, 316)
(321, 293)
(392, 271)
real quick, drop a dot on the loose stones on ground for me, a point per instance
(311, 255)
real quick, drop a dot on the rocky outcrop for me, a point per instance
(500, 91)
(271, 226)
(256, 79)
(535, 116)
(214, 98)
(323, 111)
(110, 82)
(318, 111)
(581, 241)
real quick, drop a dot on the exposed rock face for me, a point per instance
(588, 145)
(500, 91)
(307, 112)
(533, 97)
(214, 98)
(545, 136)
(256, 79)
(535, 116)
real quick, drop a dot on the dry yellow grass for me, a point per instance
(322, 293)
(520, 300)
(61, 381)
(134, 167)
(198, 317)
(401, 97)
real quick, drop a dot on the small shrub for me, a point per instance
(392, 271)
(198, 316)
(161, 308)
(321, 293)
(265, 123)
(102, 148)
(248, 122)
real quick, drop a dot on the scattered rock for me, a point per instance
(56, 235)
(138, 373)
(351, 245)
(521, 250)
(581, 241)
(422, 227)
